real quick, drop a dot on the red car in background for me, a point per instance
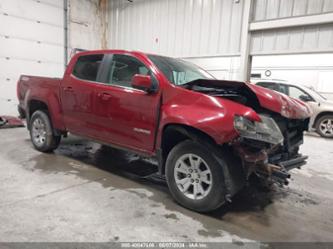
(210, 136)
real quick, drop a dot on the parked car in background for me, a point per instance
(322, 118)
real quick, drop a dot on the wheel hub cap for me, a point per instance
(38, 132)
(326, 127)
(193, 176)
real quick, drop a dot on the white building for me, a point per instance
(223, 36)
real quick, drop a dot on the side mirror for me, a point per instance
(142, 82)
(305, 98)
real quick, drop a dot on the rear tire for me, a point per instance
(41, 132)
(195, 178)
(324, 126)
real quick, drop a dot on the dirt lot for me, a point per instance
(85, 192)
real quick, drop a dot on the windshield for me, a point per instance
(177, 71)
(315, 94)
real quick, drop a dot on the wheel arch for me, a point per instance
(321, 114)
(33, 106)
(233, 173)
(46, 139)
(53, 108)
(174, 133)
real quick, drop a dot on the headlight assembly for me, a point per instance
(266, 130)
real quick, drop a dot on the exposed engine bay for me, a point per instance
(228, 90)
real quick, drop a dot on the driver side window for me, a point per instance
(123, 68)
(296, 93)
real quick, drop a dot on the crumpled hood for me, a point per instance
(268, 99)
(280, 103)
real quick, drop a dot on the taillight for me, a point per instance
(17, 88)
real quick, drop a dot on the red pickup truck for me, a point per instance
(210, 136)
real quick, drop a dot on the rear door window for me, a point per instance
(87, 67)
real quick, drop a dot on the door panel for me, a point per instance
(78, 95)
(78, 98)
(126, 116)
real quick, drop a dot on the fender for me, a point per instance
(51, 100)
(207, 114)
(233, 173)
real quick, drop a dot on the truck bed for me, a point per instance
(29, 82)
(39, 88)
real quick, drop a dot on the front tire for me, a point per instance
(324, 126)
(41, 132)
(195, 178)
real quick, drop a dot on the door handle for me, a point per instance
(68, 89)
(104, 96)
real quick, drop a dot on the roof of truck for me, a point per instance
(105, 51)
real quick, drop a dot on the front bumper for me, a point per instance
(279, 173)
(259, 163)
(297, 162)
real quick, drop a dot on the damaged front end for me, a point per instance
(267, 142)
(269, 148)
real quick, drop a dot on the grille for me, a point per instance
(292, 130)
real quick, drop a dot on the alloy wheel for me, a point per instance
(193, 176)
(326, 127)
(38, 132)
